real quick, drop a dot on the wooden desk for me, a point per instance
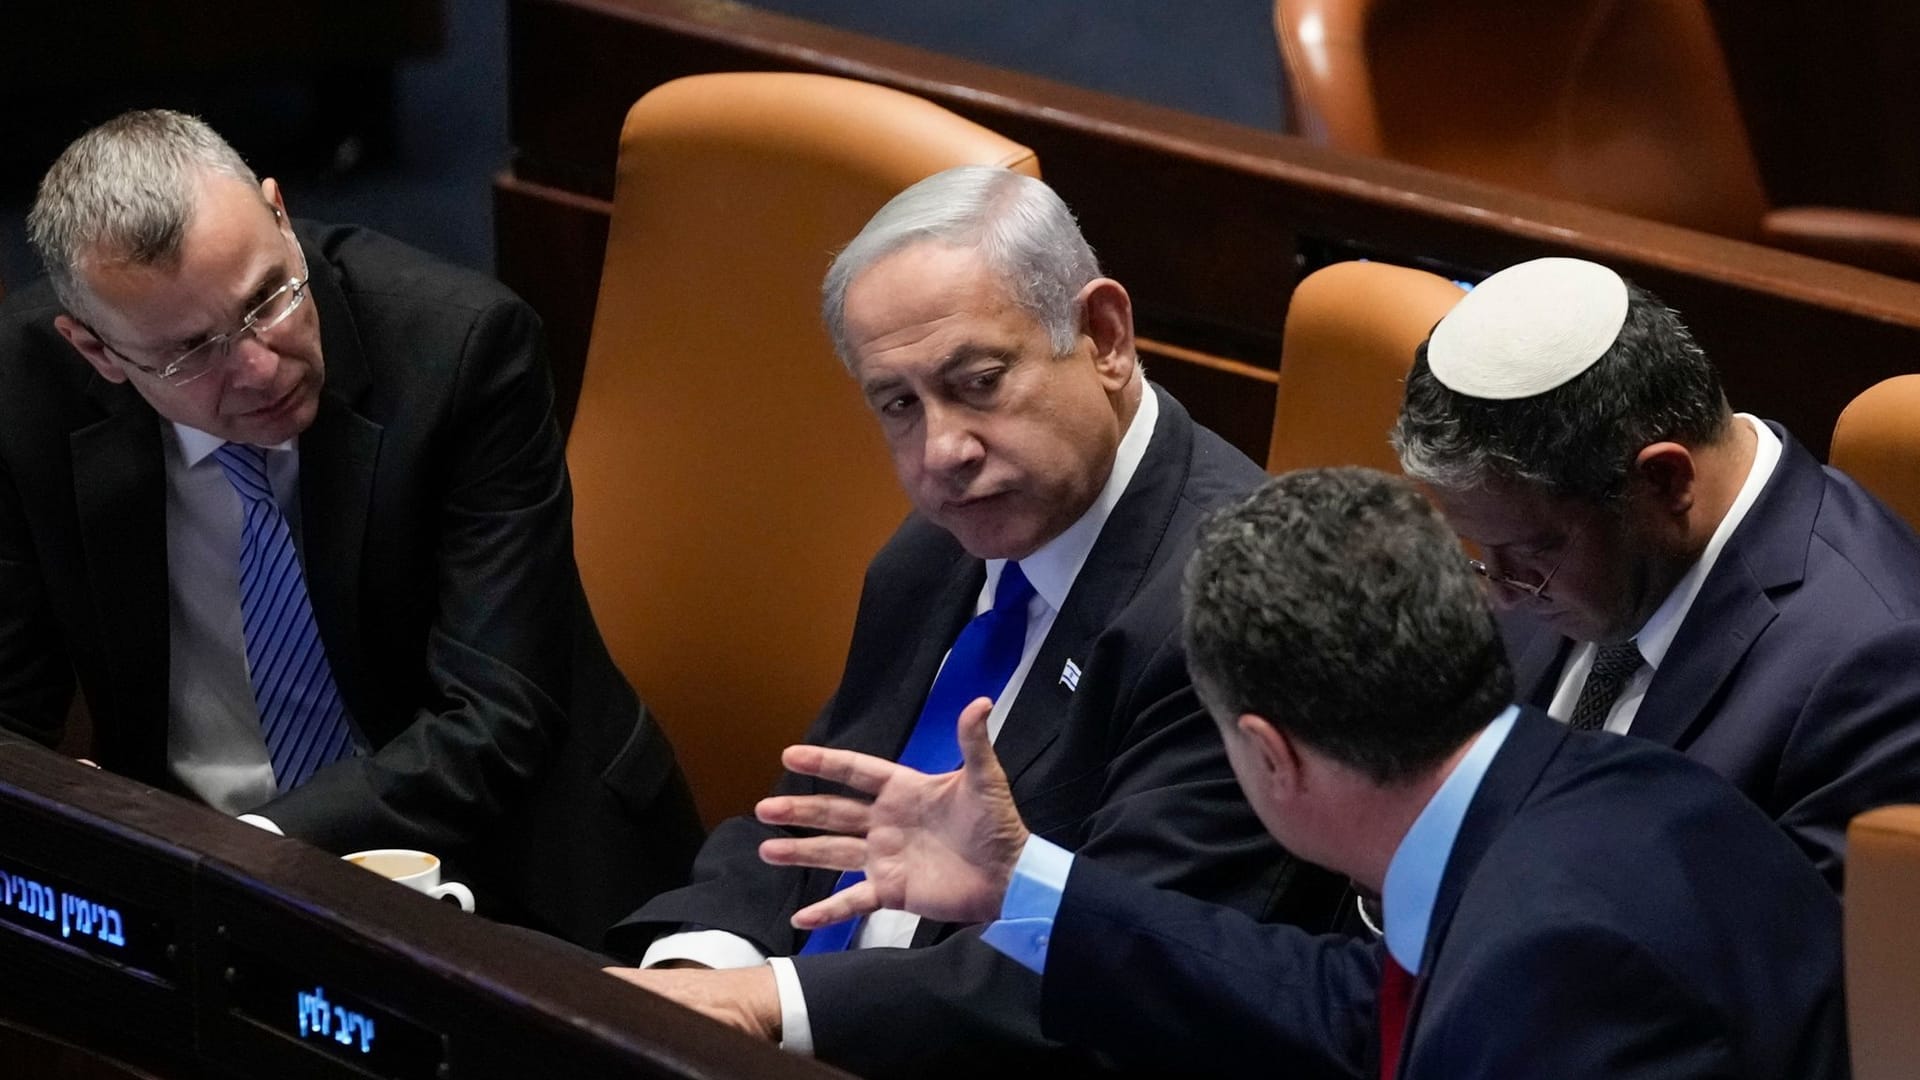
(156, 933)
(1208, 224)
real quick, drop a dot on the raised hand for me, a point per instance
(942, 846)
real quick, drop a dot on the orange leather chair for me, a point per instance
(1623, 104)
(1883, 950)
(1877, 442)
(729, 483)
(1351, 332)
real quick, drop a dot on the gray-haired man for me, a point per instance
(1056, 493)
(291, 504)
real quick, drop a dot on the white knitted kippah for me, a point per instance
(1528, 328)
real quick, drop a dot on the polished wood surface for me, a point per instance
(1208, 224)
(215, 910)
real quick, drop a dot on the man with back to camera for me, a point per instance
(297, 517)
(1055, 495)
(1671, 568)
(1558, 903)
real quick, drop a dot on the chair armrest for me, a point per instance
(1889, 243)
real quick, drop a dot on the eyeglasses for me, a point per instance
(1533, 589)
(207, 355)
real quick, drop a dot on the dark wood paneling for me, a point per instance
(1206, 221)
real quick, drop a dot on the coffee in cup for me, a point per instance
(417, 870)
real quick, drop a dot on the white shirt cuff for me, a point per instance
(1025, 926)
(259, 822)
(796, 1031)
(710, 948)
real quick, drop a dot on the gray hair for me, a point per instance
(1336, 605)
(125, 191)
(1579, 439)
(1026, 234)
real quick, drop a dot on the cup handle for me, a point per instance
(456, 890)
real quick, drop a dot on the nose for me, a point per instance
(251, 363)
(951, 444)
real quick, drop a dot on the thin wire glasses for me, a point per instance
(1536, 590)
(209, 354)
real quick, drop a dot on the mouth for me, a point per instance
(972, 502)
(279, 406)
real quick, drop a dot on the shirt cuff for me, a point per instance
(710, 948)
(259, 822)
(1026, 918)
(796, 1031)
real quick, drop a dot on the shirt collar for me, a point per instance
(196, 445)
(1664, 625)
(1057, 562)
(1413, 877)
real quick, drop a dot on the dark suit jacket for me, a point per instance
(438, 551)
(1127, 766)
(1794, 674)
(1608, 909)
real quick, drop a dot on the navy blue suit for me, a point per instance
(1796, 673)
(1608, 909)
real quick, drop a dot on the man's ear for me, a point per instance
(1667, 471)
(90, 347)
(270, 191)
(1107, 320)
(1275, 753)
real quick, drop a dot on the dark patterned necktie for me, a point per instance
(301, 714)
(1613, 666)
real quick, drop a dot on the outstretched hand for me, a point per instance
(942, 847)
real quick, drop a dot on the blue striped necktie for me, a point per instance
(980, 664)
(301, 713)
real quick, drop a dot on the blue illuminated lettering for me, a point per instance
(72, 914)
(318, 1017)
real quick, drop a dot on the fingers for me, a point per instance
(861, 772)
(825, 852)
(976, 748)
(829, 813)
(850, 902)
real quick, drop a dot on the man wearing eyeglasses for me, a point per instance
(1671, 569)
(296, 515)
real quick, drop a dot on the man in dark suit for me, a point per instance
(1671, 569)
(1001, 368)
(292, 506)
(1557, 903)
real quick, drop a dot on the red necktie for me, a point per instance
(1396, 994)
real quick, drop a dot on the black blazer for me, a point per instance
(1793, 674)
(1127, 767)
(1609, 909)
(438, 551)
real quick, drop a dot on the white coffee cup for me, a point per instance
(417, 870)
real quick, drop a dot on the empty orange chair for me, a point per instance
(1877, 442)
(1623, 104)
(1883, 953)
(1351, 332)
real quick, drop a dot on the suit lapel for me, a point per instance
(339, 456)
(1766, 553)
(1112, 574)
(1539, 656)
(1508, 784)
(119, 487)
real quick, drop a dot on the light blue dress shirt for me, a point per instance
(1032, 902)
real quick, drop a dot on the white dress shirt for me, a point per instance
(1656, 637)
(214, 742)
(1052, 570)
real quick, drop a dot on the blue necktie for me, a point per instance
(981, 661)
(301, 713)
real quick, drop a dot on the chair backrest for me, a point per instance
(1877, 442)
(1351, 332)
(730, 484)
(1623, 104)
(1883, 952)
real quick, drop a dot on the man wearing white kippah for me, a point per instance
(1669, 568)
